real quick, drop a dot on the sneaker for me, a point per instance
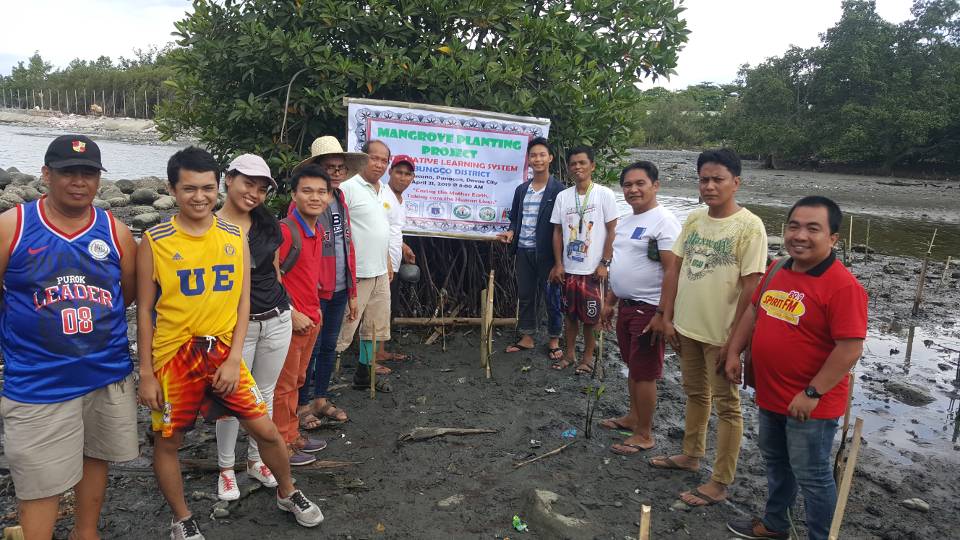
(310, 445)
(185, 530)
(754, 528)
(261, 473)
(227, 489)
(299, 458)
(307, 513)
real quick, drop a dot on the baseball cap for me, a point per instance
(403, 158)
(73, 151)
(252, 165)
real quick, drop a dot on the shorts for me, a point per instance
(186, 381)
(582, 298)
(45, 442)
(373, 311)
(644, 359)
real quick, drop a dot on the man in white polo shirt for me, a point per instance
(402, 169)
(371, 241)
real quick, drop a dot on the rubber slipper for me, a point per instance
(562, 364)
(381, 386)
(517, 347)
(555, 354)
(708, 501)
(669, 464)
(310, 421)
(391, 357)
(614, 425)
(332, 412)
(584, 369)
(621, 449)
(383, 370)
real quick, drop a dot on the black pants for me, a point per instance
(532, 291)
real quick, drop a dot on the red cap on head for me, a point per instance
(403, 158)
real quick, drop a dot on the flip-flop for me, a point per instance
(612, 424)
(619, 449)
(584, 369)
(392, 357)
(383, 370)
(562, 364)
(669, 464)
(310, 421)
(517, 347)
(381, 386)
(708, 500)
(329, 410)
(555, 354)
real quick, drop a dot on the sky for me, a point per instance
(725, 33)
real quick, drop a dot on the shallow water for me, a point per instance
(23, 147)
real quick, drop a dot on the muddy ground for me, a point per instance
(467, 487)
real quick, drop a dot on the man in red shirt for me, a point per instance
(806, 325)
(311, 194)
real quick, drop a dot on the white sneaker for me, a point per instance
(185, 530)
(227, 489)
(262, 474)
(307, 513)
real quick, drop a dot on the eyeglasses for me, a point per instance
(335, 168)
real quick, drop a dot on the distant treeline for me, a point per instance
(872, 95)
(127, 87)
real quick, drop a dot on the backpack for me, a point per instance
(296, 244)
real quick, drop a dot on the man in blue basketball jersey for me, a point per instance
(69, 401)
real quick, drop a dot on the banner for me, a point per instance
(468, 163)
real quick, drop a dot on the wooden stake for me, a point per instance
(488, 321)
(644, 523)
(946, 268)
(373, 364)
(843, 434)
(846, 481)
(443, 331)
(923, 276)
(553, 452)
(13, 533)
(450, 321)
(866, 249)
(483, 329)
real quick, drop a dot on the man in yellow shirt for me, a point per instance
(723, 252)
(193, 302)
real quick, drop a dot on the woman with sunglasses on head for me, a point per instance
(247, 184)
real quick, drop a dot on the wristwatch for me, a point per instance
(812, 393)
(605, 262)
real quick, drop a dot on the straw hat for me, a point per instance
(330, 146)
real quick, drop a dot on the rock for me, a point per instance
(126, 186)
(15, 189)
(137, 210)
(151, 182)
(100, 203)
(12, 197)
(21, 179)
(5, 205)
(916, 504)
(774, 241)
(5, 178)
(220, 510)
(538, 508)
(944, 366)
(144, 196)
(13, 170)
(165, 202)
(110, 192)
(145, 221)
(908, 393)
(450, 501)
(118, 202)
(30, 193)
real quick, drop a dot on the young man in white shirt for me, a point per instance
(585, 219)
(402, 172)
(641, 256)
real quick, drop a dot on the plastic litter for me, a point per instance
(518, 524)
(550, 390)
(569, 434)
(535, 443)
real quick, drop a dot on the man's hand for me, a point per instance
(389, 271)
(320, 317)
(301, 323)
(721, 360)
(505, 237)
(228, 375)
(408, 256)
(557, 274)
(606, 315)
(663, 330)
(801, 406)
(733, 370)
(352, 309)
(150, 393)
(602, 272)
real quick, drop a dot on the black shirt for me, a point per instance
(266, 292)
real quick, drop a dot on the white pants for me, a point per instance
(264, 350)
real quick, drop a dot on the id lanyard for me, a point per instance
(582, 211)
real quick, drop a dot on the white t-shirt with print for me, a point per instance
(632, 274)
(397, 216)
(583, 239)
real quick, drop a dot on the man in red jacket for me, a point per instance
(806, 324)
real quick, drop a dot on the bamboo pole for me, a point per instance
(866, 249)
(443, 329)
(488, 321)
(451, 321)
(373, 364)
(13, 533)
(946, 268)
(644, 523)
(923, 275)
(847, 480)
(483, 329)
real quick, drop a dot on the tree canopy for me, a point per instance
(576, 63)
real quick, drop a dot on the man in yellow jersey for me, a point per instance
(193, 302)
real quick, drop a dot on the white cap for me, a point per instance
(253, 166)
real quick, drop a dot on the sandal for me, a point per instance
(668, 463)
(585, 369)
(331, 411)
(517, 347)
(391, 357)
(382, 385)
(310, 421)
(614, 425)
(383, 370)
(624, 449)
(707, 500)
(562, 364)
(555, 354)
